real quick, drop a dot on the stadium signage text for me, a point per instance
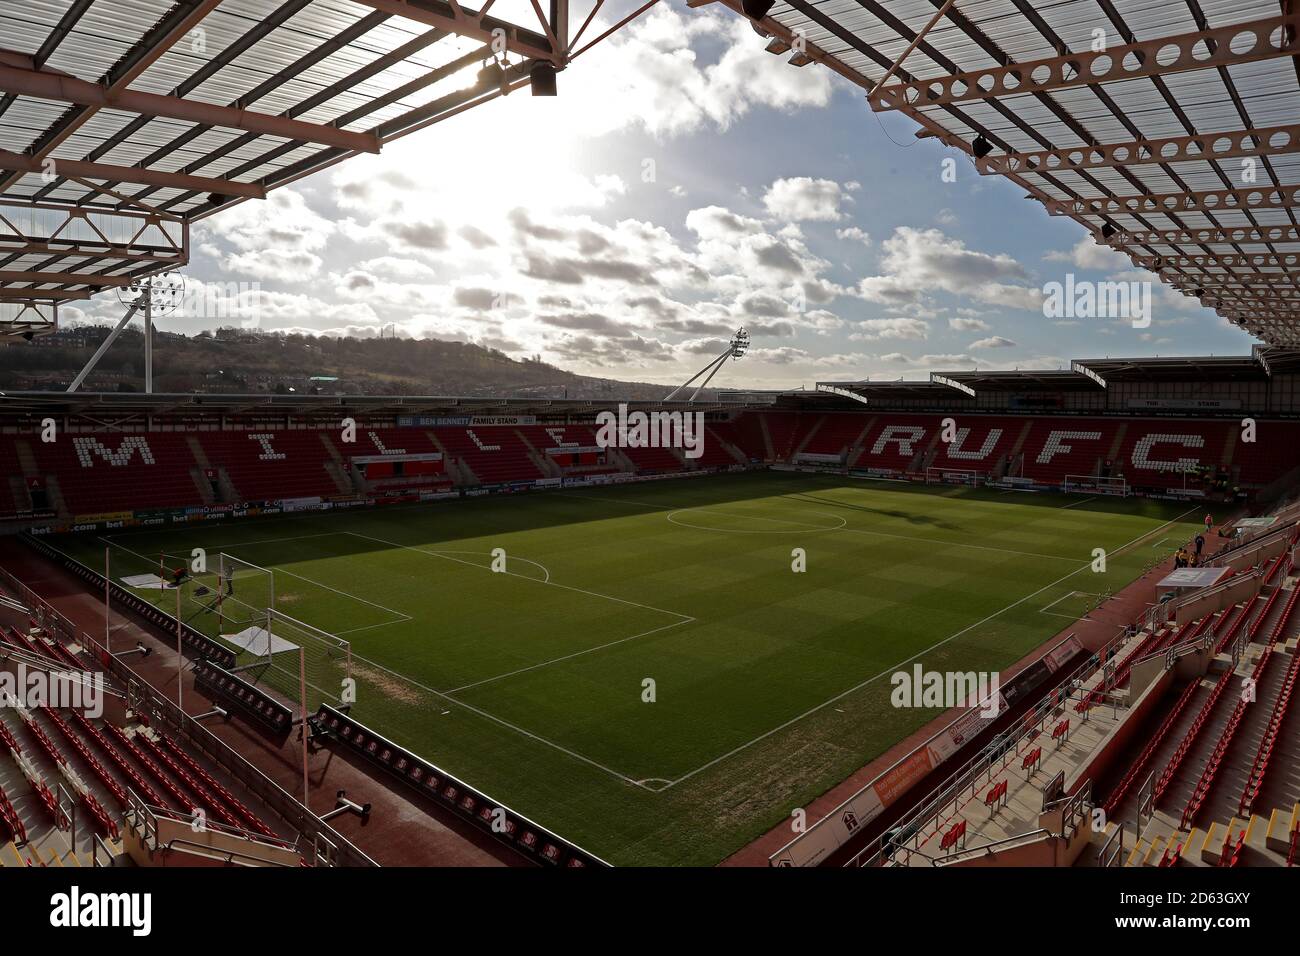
(683, 430)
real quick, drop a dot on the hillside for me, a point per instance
(237, 360)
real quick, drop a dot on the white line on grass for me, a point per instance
(1071, 617)
(522, 577)
(401, 616)
(900, 664)
(1075, 504)
(566, 657)
(517, 729)
(804, 527)
(879, 534)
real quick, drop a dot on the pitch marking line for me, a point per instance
(399, 616)
(566, 657)
(522, 577)
(901, 664)
(517, 729)
(844, 527)
(1064, 597)
(804, 527)
(1075, 504)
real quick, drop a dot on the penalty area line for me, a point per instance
(871, 680)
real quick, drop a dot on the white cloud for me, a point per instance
(803, 199)
(854, 234)
(1087, 254)
(968, 325)
(871, 330)
(993, 342)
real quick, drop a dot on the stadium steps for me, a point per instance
(204, 486)
(1116, 446)
(1024, 801)
(200, 473)
(1225, 793)
(1267, 839)
(768, 452)
(18, 490)
(859, 444)
(337, 467)
(27, 459)
(1229, 446)
(54, 497)
(545, 464)
(726, 446)
(1188, 773)
(808, 436)
(454, 467)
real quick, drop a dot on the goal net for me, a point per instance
(244, 593)
(289, 651)
(1095, 485)
(951, 476)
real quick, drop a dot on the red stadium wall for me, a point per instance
(104, 473)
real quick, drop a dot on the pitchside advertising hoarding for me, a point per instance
(134, 519)
(838, 827)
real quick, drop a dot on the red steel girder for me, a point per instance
(1203, 49)
(1243, 235)
(1227, 261)
(129, 174)
(1229, 144)
(1211, 200)
(47, 85)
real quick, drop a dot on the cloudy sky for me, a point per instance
(684, 183)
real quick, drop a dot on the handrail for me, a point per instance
(986, 849)
(997, 749)
(290, 809)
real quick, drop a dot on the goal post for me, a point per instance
(1095, 485)
(936, 475)
(244, 592)
(299, 652)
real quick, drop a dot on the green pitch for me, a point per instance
(769, 686)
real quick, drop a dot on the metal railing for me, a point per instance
(977, 771)
(297, 816)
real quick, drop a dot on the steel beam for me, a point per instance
(1229, 144)
(40, 295)
(1202, 50)
(165, 34)
(77, 249)
(63, 278)
(1230, 261)
(455, 18)
(1213, 200)
(129, 174)
(61, 88)
(1245, 235)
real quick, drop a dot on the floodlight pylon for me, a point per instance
(736, 349)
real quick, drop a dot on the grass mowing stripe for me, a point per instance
(545, 710)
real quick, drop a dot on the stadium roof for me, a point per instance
(1221, 368)
(1082, 375)
(115, 404)
(123, 121)
(1177, 144)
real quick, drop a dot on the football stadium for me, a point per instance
(977, 617)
